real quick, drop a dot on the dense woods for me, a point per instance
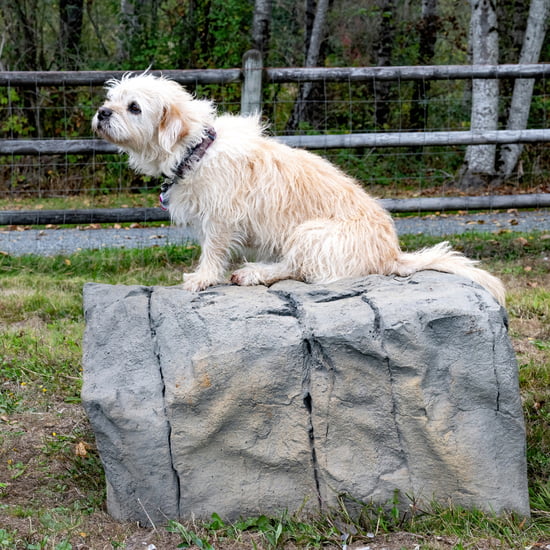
(171, 34)
(132, 34)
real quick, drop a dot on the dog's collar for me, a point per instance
(193, 156)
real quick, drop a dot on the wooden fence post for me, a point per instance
(251, 91)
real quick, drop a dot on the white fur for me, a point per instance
(306, 219)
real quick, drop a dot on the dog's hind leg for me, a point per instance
(323, 251)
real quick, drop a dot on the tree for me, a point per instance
(138, 34)
(70, 31)
(260, 25)
(383, 48)
(25, 29)
(315, 33)
(427, 29)
(479, 163)
(523, 88)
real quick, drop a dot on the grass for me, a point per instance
(146, 198)
(51, 479)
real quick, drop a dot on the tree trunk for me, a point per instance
(260, 25)
(427, 37)
(70, 31)
(523, 87)
(383, 49)
(479, 164)
(128, 27)
(138, 31)
(312, 59)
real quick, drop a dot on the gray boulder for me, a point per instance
(252, 400)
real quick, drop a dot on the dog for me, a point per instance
(240, 189)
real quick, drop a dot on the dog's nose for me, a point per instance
(103, 113)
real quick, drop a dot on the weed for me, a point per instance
(7, 539)
(189, 537)
(82, 466)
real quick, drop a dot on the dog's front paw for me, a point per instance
(246, 276)
(194, 282)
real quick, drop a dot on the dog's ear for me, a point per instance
(172, 127)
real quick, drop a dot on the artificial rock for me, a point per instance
(252, 400)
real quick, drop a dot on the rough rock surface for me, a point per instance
(244, 401)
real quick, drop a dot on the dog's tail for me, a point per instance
(442, 257)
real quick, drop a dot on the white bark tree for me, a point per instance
(523, 88)
(480, 159)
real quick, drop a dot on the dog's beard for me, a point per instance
(118, 131)
(111, 130)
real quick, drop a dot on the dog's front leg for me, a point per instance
(213, 260)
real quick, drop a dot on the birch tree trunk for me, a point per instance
(523, 88)
(480, 159)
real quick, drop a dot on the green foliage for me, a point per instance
(189, 538)
(7, 539)
(507, 246)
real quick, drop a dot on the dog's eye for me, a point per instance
(134, 108)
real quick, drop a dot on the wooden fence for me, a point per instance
(252, 77)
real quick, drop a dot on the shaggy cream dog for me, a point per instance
(237, 188)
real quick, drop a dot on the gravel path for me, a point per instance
(49, 242)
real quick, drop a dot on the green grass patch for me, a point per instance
(505, 246)
(147, 198)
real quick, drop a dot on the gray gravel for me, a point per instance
(49, 242)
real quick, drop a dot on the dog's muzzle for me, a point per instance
(104, 113)
(102, 119)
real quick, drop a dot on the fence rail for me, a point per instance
(327, 141)
(284, 74)
(127, 215)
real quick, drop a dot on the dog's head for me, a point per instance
(151, 118)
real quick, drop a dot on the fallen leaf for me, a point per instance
(80, 449)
